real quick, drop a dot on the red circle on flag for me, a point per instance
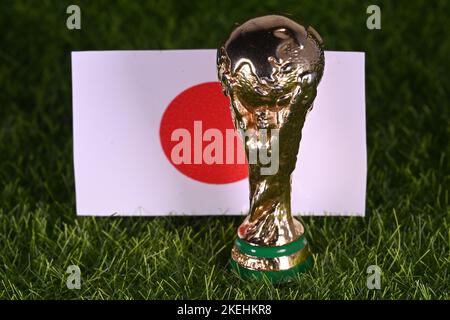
(198, 137)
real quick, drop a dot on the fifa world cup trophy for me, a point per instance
(270, 68)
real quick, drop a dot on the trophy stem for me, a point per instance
(270, 221)
(270, 241)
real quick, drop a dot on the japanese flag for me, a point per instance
(145, 124)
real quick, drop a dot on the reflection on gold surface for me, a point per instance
(270, 264)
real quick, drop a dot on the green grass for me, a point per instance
(406, 228)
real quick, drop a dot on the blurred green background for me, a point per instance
(406, 228)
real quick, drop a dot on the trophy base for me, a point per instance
(278, 264)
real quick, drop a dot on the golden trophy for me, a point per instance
(270, 68)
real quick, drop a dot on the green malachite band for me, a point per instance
(275, 276)
(270, 252)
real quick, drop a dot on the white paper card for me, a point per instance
(119, 98)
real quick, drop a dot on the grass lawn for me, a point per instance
(406, 231)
